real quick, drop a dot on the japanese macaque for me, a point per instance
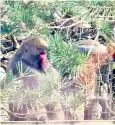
(32, 54)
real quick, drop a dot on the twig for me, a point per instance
(66, 19)
(6, 50)
(4, 58)
(103, 16)
(59, 14)
(4, 13)
(15, 42)
(102, 7)
(59, 27)
(20, 115)
(65, 22)
(3, 66)
(12, 48)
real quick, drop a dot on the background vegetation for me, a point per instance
(65, 24)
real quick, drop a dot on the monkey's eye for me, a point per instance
(43, 52)
(26, 50)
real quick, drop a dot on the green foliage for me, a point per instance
(105, 29)
(92, 11)
(75, 100)
(33, 14)
(9, 76)
(19, 68)
(48, 91)
(98, 9)
(45, 11)
(70, 7)
(7, 28)
(19, 11)
(40, 26)
(89, 10)
(101, 3)
(7, 80)
(64, 56)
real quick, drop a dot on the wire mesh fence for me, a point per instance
(103, 104)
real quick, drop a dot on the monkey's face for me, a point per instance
(34, 57)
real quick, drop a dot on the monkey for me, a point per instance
(32, 54)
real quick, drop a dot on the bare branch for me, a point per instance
(59, 27)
